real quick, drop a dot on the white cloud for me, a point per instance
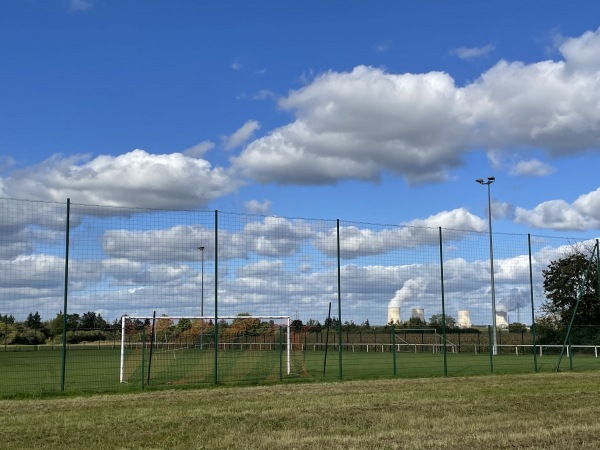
(358, 124)
(235, 65)
(457, 219)
(273, 236)
(256, 207)
(472, 52)
(356, 242)
(532, 167)
(582, 52)
(134, 179)
(582, 214)
(350, 125)
(198, 150)
(261, 269)
(241, 135)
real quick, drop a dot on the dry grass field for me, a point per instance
(556, 410)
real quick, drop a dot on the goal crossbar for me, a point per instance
(215, 320)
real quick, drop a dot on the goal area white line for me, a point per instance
(124, 319)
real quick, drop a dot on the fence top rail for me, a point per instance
(548, 345)
(205, 317)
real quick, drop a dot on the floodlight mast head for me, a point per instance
(489, 181)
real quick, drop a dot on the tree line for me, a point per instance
(90, 326)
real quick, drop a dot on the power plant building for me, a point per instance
(393, 314)
(418, 313)
(501, 319)
(464, 318)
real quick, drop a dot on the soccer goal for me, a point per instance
(183, 348)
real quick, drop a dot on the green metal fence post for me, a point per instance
(533, 325)
(143, 353)
(393, 331)
(216, 325)
(65, 303)
(443, 304)
(339, 286)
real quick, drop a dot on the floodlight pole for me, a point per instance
(487, 183)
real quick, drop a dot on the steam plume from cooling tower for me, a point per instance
(413, 288)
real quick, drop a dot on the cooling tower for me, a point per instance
(418, 313)
(464, 318)
(393, 314)
(501, 319)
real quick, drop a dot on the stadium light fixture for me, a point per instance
(487, 183)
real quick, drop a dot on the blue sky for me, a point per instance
(388, 110)
(378, 112)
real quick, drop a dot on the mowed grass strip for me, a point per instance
(97, 370)
(557, 410)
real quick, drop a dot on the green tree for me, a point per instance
(314, 326)
(183, 325)
(436, 321)
(92, 321)
(55, 326)
(34, 321)
(297, 325)
(516, 327)
(7, 319)
(416, 322)
(563, 279)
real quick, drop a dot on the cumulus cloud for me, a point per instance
(356, 242)
(350, 125)
(532, 167)
(271, 265)
(241, 135)
(136, 179)
(358, 124)
(272, 236)
(262, 268)
(256, 207)
(582, 214)
(472, 52)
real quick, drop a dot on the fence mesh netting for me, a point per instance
(363, 300)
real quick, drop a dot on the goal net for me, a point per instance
(178, 349)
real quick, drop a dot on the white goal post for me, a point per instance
(285, 319)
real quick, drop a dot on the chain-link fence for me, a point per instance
(106, 298)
